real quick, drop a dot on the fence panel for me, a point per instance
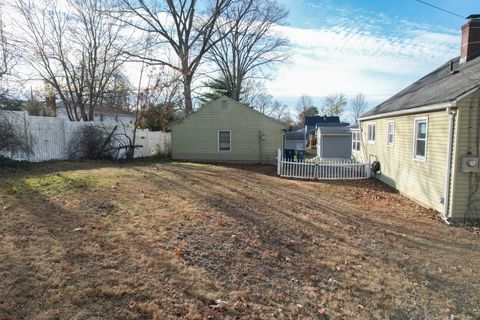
(49, 137)
(323, 170)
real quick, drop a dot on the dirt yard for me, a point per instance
(167, 240)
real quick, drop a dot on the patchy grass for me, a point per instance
(164, 240)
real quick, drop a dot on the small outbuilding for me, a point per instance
(295, 140)
(334, 143)
(226, 130)
(312, 123)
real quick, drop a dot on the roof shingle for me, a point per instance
(444, 84)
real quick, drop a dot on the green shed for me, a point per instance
(227, 130)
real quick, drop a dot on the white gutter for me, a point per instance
(429, 108)
(448, 171)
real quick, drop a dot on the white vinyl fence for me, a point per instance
(322, 170)
(49, 137)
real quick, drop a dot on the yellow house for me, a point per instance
(426, 138)
(225, 130)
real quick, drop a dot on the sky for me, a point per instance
(376, 47)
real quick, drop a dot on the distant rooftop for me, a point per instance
(313, 120)
(337, 130)
(295, 135)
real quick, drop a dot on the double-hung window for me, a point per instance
(390, 132)
(420, 138)
(224, 140)
(371, 132)
(356, 140)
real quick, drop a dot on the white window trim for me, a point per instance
(218, 141)
(415, 121)
(374, 124)
(393, 133)
(359, 136)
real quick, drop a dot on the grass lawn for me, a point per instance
(162, 240)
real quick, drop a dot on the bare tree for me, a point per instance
(162, 98)
(305, 108)
(75, 49)
(248, 45)
(358, 105)
(334, 104)
(8, 52)
(13, 140)
(119, 92)
(280, 111)
(184, 27)
(303, 103)
(255, 95)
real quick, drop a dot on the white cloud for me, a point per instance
(373, 55)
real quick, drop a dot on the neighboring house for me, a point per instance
(334, 142)
(104, 114)
(295, 140)
(226, 130)
(114, 115)
(312, 123)
(426, 137)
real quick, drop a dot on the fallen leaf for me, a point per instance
(220, 305)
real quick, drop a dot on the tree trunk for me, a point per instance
(90, 113)
(237, 88)
(187, 91)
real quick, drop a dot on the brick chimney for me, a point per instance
(470, 39)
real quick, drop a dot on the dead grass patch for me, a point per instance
(148, 240)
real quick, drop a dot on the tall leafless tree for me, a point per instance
(334, 104)
(280, 112)
(8, 52)
(248, 45)
(358, 105)
(256, 96)
(304, 108)
(75, 48)
(188, 27)
(162, 98)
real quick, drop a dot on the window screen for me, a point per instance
(224, 141)
(390, 132)
(371, 132)
(420, 139)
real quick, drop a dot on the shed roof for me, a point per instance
(295, 135)
(334, 130)
(445, 84)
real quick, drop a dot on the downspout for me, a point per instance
(451, 120)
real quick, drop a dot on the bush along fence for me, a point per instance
(49, 138)
(322, 169)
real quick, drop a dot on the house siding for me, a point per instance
(423, 181)
(196, 137)
(467, 117)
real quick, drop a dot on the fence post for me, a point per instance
(368, 170)
(25, 128)
(279, 161)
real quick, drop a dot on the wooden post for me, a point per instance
(279, 161)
